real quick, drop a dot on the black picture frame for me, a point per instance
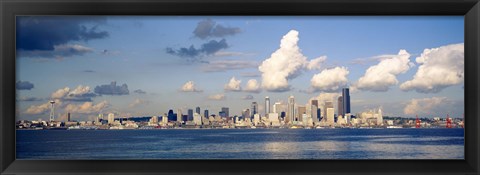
(470, 9)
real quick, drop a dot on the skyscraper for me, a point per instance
(267, 105)
(300, 111)
(111, 118)
(340, 106)
(179, 115)
(190, 115)
(291, 109)
(68, 117)
(205, 113)
(254, 108)
(225, 110)
(197, 110)
(315, 111)
(328, 104)
(346, 100)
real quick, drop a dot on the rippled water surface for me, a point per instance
(242, 144)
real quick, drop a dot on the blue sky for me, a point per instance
(145, 54)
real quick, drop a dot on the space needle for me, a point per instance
(52, 111)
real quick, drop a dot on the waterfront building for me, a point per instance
(331, 116)
(111, 118)
(197, 119)
(267, 105)
(205, 113)
(346, 100)
(314, 111)
(300, 111)
(179, 115)
(340, 106)
(328, 104)
(256, 119)
(254, 108)
(290, 110)
(190, 115)
(197, 110)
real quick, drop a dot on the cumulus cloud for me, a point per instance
(380, 77)
(112, 89)
(194, 55)
(217, 97)
(87, 107)
(330, 80)
(139, 91)
(59, 51)
(252, 86)
(225, 65)
(247, 97)
(283, 64)
(80, 93)
(423, 105)
(439, 68)
(233, 85)
(138, 102)
(42, 108)
(189, 86)
(209, 28)
(24, 85)
(46, 32)
(316, 63)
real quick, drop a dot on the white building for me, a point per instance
(330, 116)
(197, 119)
(111, 118)
(256, 119)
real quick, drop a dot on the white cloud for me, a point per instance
(423, 105)
(439, 68)
(189, 86)
(330, 80)
(252, 86)
(217, 97)
(86, 108)
(383, 75)
(316, 63)
(284, 64)
(80, 93)
(233, 85)
(42, 108)
(138, 102)
(225, 65)
(60, 93)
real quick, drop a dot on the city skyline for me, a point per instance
(144, 66)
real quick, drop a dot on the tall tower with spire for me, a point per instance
(52, 111)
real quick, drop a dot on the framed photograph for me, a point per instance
(239, 87)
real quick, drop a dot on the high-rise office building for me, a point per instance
(68, 117)
(246, 113)
(205, 113)
(300, 111)
(330, 116)
(225, 110)
(315, 111)
(267, 105)
(171, 115)
(328, 104)
(190, 115)
(346, 100)
(340, 106)
(277, 108)
(197, 110)
(179, 115)
(291, 109)
(111, 118)
(254, 108)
